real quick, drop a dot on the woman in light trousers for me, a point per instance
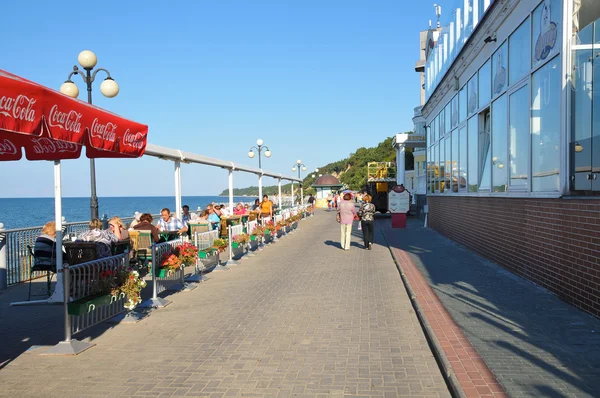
(347, 212)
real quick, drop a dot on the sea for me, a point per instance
(32, 212)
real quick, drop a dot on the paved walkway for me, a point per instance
(534, 343)
(303, 318)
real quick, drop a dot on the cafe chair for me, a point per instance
(141, 243)
(121, 246)
(39, 266)
(81, 252)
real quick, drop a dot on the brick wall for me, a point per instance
(554, 243)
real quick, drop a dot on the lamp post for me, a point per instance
(109, 88)
(259, 148)
(299, 165)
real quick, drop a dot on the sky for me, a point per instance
(315, 80)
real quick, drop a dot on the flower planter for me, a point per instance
(295, 225)
(161, 272)
(235, 245)
(88, 304)
(252, 237)
(207, 252)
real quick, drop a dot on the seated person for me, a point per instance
(256, 206)
(168, 223)
(239, 210)
(136, 219)
(103, 238)
(225, 211)
(44, 249)
(185, 215)
(145, 224)
(115, 225)
(213, 217)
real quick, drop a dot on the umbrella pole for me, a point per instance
(68, 346)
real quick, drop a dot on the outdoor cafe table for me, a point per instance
(169, 235)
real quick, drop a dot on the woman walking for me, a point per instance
(347, 211)
(366, 212)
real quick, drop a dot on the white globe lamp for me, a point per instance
(69, 88)
(87, 59)
(109, 88)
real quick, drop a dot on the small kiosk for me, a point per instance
(399, 205)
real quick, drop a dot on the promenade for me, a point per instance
(302, 318)
(305, 318)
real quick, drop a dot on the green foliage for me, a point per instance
(351, 171)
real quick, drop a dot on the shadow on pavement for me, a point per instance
(536, 344)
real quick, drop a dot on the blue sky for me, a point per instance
(314, 79)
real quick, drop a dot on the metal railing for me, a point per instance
(84, 279)
(204, 240)
(17, 259)
(171, 279)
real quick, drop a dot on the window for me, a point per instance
(448, 167)
(472, 163)
(485, 86)
(472, 102)
(442, 166)
(462, 159)
(546, 31)
(436, 130)
(519, 50)
(499, 149)
(462, 106)
(519, 138)
(429, 170)
(454, 167)
(485, 140)
(448, 116)
(442, 123)
(545, 127)
(499, 70)
(454, 118)
(436, 167)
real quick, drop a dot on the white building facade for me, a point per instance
(513, 139)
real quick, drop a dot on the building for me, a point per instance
(513, 139)
(325, 185)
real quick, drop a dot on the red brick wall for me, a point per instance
(554, 243)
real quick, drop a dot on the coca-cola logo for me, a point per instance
(134, 140)
(20, 108)
(69, 121)
(107, 132)
(7, 147)
(46, 145)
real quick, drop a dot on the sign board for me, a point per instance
(399, 200)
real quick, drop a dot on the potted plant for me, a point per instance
(109, 286)
(220, 244)
(169, 264)
(240, 240)
(187, 253)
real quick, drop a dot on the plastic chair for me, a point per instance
(40, 267)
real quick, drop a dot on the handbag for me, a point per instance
(356, 217)
(338, 217)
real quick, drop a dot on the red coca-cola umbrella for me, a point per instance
(48, 125)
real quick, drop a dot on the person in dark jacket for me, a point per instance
(366, 212)
(45, 247)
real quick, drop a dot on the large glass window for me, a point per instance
(519, 52)
(435, 130)
(485, 85)
(436, 167)
(499, 70)
(447, 117)
(462, 159)
(472, 148)
(545, 127)
(499, 148)
(429, 168)
(448, 168)
(442, 166)
(454, 154)
(519, 138)
(545, 31)
(442, 123)
(454, 118)
(472, 102)
(462, 106)
(485, 141)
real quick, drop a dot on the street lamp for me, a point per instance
(299, 165)
(259, 148)
(109, 88)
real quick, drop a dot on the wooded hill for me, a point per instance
(351, 171)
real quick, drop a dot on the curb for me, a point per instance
(447, 371)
